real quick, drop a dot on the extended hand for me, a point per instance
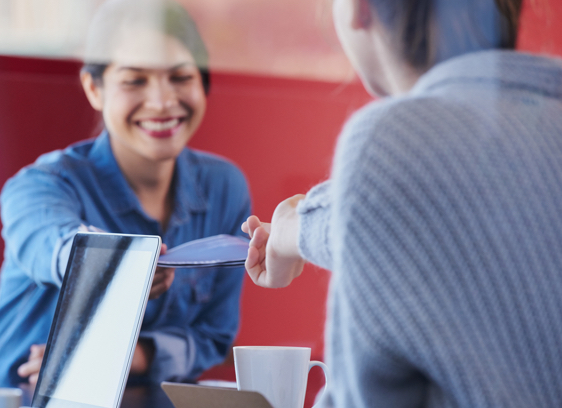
(273, 258)
(163, 278)
(33, 365)
(142, 359)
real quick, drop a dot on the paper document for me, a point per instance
(219, 250)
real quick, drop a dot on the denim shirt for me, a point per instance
(192, 325)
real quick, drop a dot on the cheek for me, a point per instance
(119, 106)
(201, 101)
(342, 16)
(338, 14)
(195, 98)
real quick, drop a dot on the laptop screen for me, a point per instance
(97, 321)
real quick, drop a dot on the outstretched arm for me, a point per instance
(273, 258)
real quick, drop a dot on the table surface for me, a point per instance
(134, 397)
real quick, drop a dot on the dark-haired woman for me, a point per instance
(146, 72)
(441, 221)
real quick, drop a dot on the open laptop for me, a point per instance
(97, 321)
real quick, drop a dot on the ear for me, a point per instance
(362, 14)
(92, 90)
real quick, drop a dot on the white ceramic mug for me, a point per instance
(10, 397)
(280, 374)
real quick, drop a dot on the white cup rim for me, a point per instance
(270, 348)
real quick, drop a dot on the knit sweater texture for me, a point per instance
(442, 224)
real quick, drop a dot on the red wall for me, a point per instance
(281, 132)
(540, 30)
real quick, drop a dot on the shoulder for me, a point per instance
(407, 153)
(55, 167)
(408, 115)
(54, 178)
(413, 129)
(59, 162)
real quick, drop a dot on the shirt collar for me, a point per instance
(511, 68)
(188, 196)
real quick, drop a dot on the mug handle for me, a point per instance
(325, 369)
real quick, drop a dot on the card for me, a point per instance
(219, 250)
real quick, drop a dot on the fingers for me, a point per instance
(170, 278)
(255, 261)
(29, 368)
(257, 250)
(33, 379)
(250, 225)
(253, 264)
(163, 249)
(162, 274)
(37, 351)
(261, 235)
(32, 367)
(163, 279)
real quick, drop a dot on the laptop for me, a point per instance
(97, 321)
(196, 396)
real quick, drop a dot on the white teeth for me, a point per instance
(159, 126)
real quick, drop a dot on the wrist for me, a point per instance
(142, 357)
(286, 219)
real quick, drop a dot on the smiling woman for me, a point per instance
(146, 72)
(150, 111)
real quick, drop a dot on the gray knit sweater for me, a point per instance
(442, 223)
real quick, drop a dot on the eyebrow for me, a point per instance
(137, 69)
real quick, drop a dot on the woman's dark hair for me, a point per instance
(429, 31)
(165, 16)
(511, 13)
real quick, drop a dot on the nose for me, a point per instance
(160, 95)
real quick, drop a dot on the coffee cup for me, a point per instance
(280, 374)
(10, 397)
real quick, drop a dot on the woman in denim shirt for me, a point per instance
(146, 72)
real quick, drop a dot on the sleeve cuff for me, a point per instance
(314, 226)
(61, 254)
(173, 358)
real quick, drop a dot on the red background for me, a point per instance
(281, 132)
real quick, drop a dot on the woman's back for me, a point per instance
(449, 234)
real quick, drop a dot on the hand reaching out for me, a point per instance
(33, 365)
(142, 359)
(273, 258)
(163, 277)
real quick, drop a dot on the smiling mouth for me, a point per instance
(160, 128)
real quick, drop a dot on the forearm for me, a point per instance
(180, 357)
(142, 357)
(40, 216)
